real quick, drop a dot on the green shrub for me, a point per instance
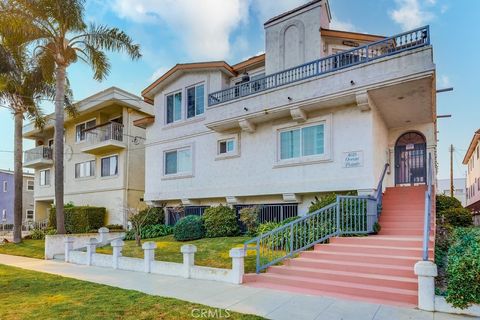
(457, 217)
(39, 234)
(446, 202)
(189, 228)
(220, 221)
(249, 217)
(151, 231)
(463, 270)
(155, 216)
(376, 227)
(80, 219)
(326, 199)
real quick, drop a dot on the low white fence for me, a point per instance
(148, 264)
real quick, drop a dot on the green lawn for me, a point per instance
(27, 248)
(35, 295)
(211, 252)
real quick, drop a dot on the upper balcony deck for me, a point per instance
(361, 55)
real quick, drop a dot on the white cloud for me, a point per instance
(443, 81)
(203, 27)
(411, 13)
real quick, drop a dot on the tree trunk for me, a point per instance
(18, 178)
(58, 146)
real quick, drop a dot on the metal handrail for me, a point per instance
(347, 215)
(393, 45)
(428, 208)
(379, 193)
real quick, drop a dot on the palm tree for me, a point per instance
(57, 30)
(23, 85)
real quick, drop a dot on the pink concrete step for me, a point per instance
(297, 283)
(347, 276)
(377, 240)
(361, 257)
(371, 249)
(387, 216)
(402, 231)
(352, 266)
(404, 206)
(404, 224)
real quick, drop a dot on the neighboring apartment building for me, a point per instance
(443, 187)
(7, 194)
(104, 155)
(472, 161)
(318, 112)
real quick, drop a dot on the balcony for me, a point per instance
(39, 157)
(104, 138)
(389, 46)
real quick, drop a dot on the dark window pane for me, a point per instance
(171, 162)
(223, 147)
(199, 99)
(170, 109)
(191, 102)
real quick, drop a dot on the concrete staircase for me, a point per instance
(377, 268)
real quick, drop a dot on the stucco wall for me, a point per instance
(7, 198)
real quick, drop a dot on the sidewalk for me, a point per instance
(268, 303)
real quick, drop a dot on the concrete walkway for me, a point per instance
(268, 303)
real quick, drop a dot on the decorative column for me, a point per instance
(238, 264)
(103, 234)
(117, 246)
(149, 254)
(91, 247)
(426, 272)
(188, 251)
(68, 248)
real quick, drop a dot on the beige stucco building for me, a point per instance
(472, 161)
(322, 110)
(104, 155)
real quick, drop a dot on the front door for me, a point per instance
(410, 159)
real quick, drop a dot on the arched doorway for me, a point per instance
(410, 159)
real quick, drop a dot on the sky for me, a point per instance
(178, 31)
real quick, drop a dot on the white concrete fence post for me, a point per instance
(68, 248)
(149, 254)
(426, 272)
(117, 246)
(103, 234)
(91, 247)
(188, 251)
(238, 264)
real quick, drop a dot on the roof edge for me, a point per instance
(471, 147)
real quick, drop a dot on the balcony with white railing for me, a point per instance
(104, 138)
(39, 157)
(391, 67)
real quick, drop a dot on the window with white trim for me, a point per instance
(85, 169)
(226, 146)
(45, 177)
(195, 100)
(178, 161)
(29, 215)
(301, 142)
(81, 127)
(4, 186)
(109, 166)
(30, 185)
(174, 107)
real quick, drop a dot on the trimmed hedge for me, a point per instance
(220, 221)
(151, 231)
(81, 219)
(189, 228)
(457, 217)
(444, 202)
(463, 271)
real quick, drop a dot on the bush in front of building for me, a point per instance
(463, 270)
(457, 217)
(150, 231)
(249, 217)
(80, 219)
(220, 221)
(155, 216)
(327, 199)
(444, 202)
(189, 228)
(39, 234)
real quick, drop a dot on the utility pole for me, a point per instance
(451, 170)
